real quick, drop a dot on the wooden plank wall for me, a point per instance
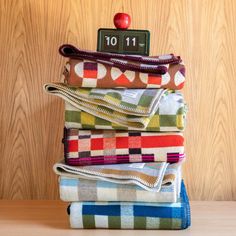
(203, 32)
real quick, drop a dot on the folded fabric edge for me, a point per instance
(185, 210)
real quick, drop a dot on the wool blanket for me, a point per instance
(150, 176)
(109, 70)
(131, 215)
(170, 117)
(130, 108)
(98, 147)
(77, 189)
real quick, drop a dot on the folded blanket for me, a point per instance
(108, 70)
(97, 147)
(150, 176)
(131, 108)
(77, 189)
(170, 116)
(131, 215)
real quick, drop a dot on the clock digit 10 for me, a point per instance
(111, 40)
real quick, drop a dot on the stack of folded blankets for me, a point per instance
(123, 146)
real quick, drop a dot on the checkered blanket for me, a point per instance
(170, 116)
(127, 107)
(150, 176)
(77, 189)
(97, 147)
(131, 215)
(109, 70)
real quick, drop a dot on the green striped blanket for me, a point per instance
(170, 116)
(124, 109)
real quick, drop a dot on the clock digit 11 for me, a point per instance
(131, 43)
(128, 40)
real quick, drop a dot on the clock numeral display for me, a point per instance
(131, 43)
(123, 41)
(111, 42)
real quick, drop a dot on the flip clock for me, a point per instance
(123, 40)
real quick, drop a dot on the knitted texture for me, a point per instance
(97, 147)
(130, 108)
(170, 116)
(77, 189)
(150, 176)
(109, 70)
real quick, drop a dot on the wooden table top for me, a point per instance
(49, 218)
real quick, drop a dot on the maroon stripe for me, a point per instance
(105, 160)
(68, 50)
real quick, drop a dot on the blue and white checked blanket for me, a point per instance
(77, 189)
(149, 176)
(131, 215)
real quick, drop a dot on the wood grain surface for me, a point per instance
(203, 32)
(49, 218)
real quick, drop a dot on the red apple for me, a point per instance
(122, 20)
